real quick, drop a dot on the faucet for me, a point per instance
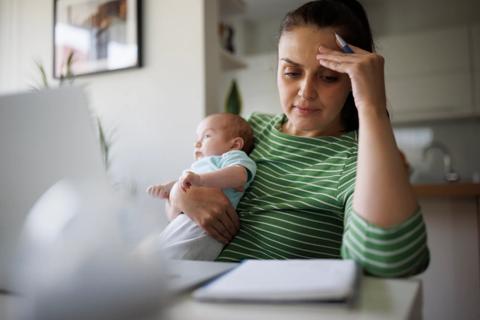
(449, 174)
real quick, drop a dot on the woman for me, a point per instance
(330, 181)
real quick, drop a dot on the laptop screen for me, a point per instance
(44, 136)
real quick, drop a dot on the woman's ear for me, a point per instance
(237, 143)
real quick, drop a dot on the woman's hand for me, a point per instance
(366, 72)
(210, 209)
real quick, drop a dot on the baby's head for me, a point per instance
(223, 132)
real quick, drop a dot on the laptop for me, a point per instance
(46, 136)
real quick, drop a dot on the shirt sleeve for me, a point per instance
(240, 158)
(397, 251)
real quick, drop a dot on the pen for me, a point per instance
(343, 45)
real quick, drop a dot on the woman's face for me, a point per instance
(311, 96)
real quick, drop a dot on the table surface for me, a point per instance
(378, 299)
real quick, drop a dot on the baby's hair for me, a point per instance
(239, 127)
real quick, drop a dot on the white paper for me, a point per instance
(284, 280)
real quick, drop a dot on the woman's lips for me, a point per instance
(304, 111)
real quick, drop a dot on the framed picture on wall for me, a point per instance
(92, 36)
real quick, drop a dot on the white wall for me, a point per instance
(152, 111)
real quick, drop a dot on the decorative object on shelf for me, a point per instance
(102, 35)
(229, 40)
(233, 103)
(226, 34)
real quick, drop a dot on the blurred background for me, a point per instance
(194, 49)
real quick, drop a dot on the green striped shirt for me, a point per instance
(300, 206)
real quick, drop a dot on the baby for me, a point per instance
(224, 141)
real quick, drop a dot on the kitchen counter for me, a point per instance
(457, 189)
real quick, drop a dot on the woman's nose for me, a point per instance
(307, 90)
(197, 144)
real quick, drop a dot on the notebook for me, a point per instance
(285, 281)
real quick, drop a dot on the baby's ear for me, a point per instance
(238, 143)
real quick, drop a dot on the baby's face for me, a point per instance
(212, 137)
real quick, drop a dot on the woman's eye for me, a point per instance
(292, 74)
(207, 136)
(329, 79)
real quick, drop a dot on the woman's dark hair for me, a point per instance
(350, 21)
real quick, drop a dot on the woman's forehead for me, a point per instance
(306, 40)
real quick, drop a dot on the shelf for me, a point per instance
(230, 61)
(231, 7)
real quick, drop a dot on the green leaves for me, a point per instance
(68, 75)
(43, 74)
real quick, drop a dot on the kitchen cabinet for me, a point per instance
(429, 74)
(476, 64)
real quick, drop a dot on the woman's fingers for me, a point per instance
(216, 229)
(357, 49)
(229, 224)
(342, 67)
(222, 228)
(221, 225)
(338, 57)
(335, 60)
(233, 216)
(216, 234)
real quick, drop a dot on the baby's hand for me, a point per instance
(189, 179)
(159, 191)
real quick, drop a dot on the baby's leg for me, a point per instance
(183, 239)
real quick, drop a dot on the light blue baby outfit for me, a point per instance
(183, 238)
(230, 158)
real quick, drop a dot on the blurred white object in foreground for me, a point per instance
(75, 260)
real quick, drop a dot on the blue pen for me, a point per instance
(343, 45)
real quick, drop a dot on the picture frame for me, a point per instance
(96, 36)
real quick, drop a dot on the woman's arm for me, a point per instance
(209, 208)
(383, 195)
(382, 182)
